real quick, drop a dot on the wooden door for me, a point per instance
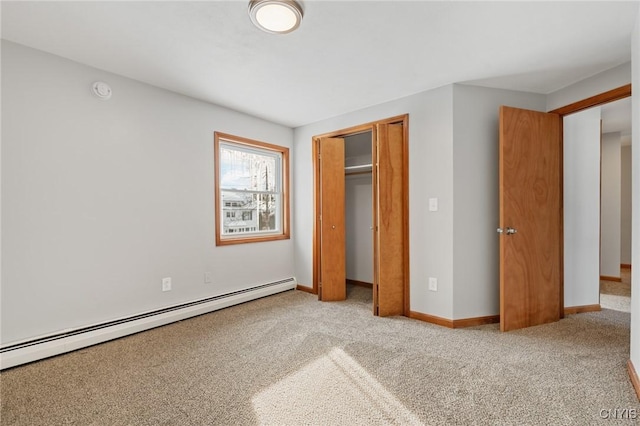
(389, 220)
(530, 218)
(332, 283)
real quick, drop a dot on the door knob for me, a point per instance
(509, 231)
(333, 227)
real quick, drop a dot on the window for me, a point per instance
(251, 185)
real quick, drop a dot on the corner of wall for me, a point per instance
(635, 152)
(602, 82)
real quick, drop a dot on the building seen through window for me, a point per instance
(251, 189)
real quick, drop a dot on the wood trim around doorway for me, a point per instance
(363, 128)
(596, 100)
(600, 99)
(350, 131)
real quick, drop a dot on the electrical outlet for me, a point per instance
(207, 278)
(166, 284)
(433, 284)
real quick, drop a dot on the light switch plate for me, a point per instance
(433, 204)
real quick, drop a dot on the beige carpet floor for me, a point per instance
(291, 360)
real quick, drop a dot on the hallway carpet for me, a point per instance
(617, 295)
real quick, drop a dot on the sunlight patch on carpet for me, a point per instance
(334, 389)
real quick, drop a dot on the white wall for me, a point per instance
(625, 205)
(453, 151)
(101, 199)
(476, 199)
(359, 237)
(582, 208)
(610, 185)
(430, 175)
(599, 83)
(635, 188)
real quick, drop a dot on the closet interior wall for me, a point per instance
(358, 208)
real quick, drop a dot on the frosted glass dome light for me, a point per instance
(275, 16)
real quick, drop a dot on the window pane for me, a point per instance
(268, 207)
(237, 211)
(250, 213)
(248, 170)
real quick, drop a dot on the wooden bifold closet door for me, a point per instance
(332, 284)
(390, 221)
(389, 236)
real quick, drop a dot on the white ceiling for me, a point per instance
(346, 55)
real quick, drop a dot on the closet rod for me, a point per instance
(359, 167)
(366, 172)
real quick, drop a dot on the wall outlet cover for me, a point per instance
(433, 284)
(166, 284)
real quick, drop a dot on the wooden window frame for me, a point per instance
(284, 233)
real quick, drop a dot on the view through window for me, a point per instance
(251, 183)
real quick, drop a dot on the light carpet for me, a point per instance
(617, 295)
(289, 360)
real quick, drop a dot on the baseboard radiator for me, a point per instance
(50, 345)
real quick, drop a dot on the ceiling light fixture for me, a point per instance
(276, 16)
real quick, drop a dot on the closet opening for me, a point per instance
(358, 170)
(361, 210)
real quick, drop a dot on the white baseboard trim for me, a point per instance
(70, 340)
